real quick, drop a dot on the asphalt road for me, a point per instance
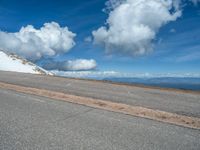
(37, 123)
(170, 101)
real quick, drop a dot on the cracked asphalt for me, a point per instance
(30, 122)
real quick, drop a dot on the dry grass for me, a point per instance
(167, 117)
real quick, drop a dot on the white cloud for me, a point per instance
(112, 4)
(79, 64)
(132, 25)
(88, 74)
(88, 39)
(33, 44)
(71, 65)
(115, 74)
(195, 1)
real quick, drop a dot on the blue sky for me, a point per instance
(176, 46)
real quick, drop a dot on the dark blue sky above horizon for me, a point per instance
(177, 45)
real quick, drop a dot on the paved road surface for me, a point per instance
(175, 102)
(36, 123)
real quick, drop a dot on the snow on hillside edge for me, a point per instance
(11, 62)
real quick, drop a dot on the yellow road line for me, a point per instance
(167, 117)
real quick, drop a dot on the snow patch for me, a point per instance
(11, 62)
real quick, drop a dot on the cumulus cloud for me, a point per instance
(34, 44)
(71, 65)
(132, 25)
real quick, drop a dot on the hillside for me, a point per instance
(11, 62)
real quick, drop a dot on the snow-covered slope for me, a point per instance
(10, 62)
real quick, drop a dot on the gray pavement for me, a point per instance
(35, 123)
(175, 102)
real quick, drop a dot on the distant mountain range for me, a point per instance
(188, 83)
(11, 62)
